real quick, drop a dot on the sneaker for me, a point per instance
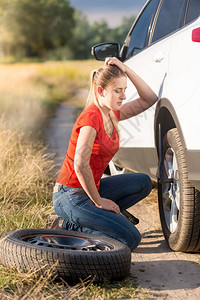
(54, 222)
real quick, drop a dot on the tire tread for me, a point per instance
(68, 264)
(187, 236)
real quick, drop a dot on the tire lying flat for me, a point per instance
(49, 250)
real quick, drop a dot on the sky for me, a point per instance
(113, 11)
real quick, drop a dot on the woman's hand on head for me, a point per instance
(115, 61)
(108, 204)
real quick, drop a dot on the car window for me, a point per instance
(193, 10)
(138, 38)
(170, 18)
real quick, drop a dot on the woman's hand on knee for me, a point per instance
(108, 204)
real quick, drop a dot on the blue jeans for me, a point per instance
(80, 213)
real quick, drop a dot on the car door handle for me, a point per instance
(159, 56)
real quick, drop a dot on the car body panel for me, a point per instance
(152, 65)
(171, 68)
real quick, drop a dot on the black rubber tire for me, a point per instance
(71, 265)
(186, 237)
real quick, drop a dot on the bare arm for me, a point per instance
(83, 170)
(146, 95)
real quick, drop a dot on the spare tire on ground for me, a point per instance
(67, 254)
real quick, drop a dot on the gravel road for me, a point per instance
(164, 274)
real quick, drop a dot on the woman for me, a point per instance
(81, 198)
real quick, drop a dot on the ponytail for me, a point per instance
(92, 92)
(103, 77)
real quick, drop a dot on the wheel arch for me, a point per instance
(166, 116)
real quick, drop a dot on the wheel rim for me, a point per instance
(171, 191)
(62, 241)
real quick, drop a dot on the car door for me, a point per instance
(149, 44)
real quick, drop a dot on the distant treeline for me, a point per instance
(52, 29)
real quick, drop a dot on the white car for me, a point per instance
(163, 47)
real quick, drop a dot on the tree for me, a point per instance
(119, 33)
(32, 27)
(52, 29)
(100, 32)
(82, 37)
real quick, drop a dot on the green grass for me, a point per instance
(111, 291)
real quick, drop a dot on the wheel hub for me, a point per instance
(171, 190)
(67, 242)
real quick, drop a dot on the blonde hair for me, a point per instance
(104, 77)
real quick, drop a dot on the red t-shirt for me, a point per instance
(104, 147)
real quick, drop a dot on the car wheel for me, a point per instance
(179, 201)
(67, 254)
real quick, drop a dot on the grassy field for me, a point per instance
(29, 94)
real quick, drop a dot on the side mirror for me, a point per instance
(101, 51)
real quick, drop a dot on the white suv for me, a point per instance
(163, 47)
